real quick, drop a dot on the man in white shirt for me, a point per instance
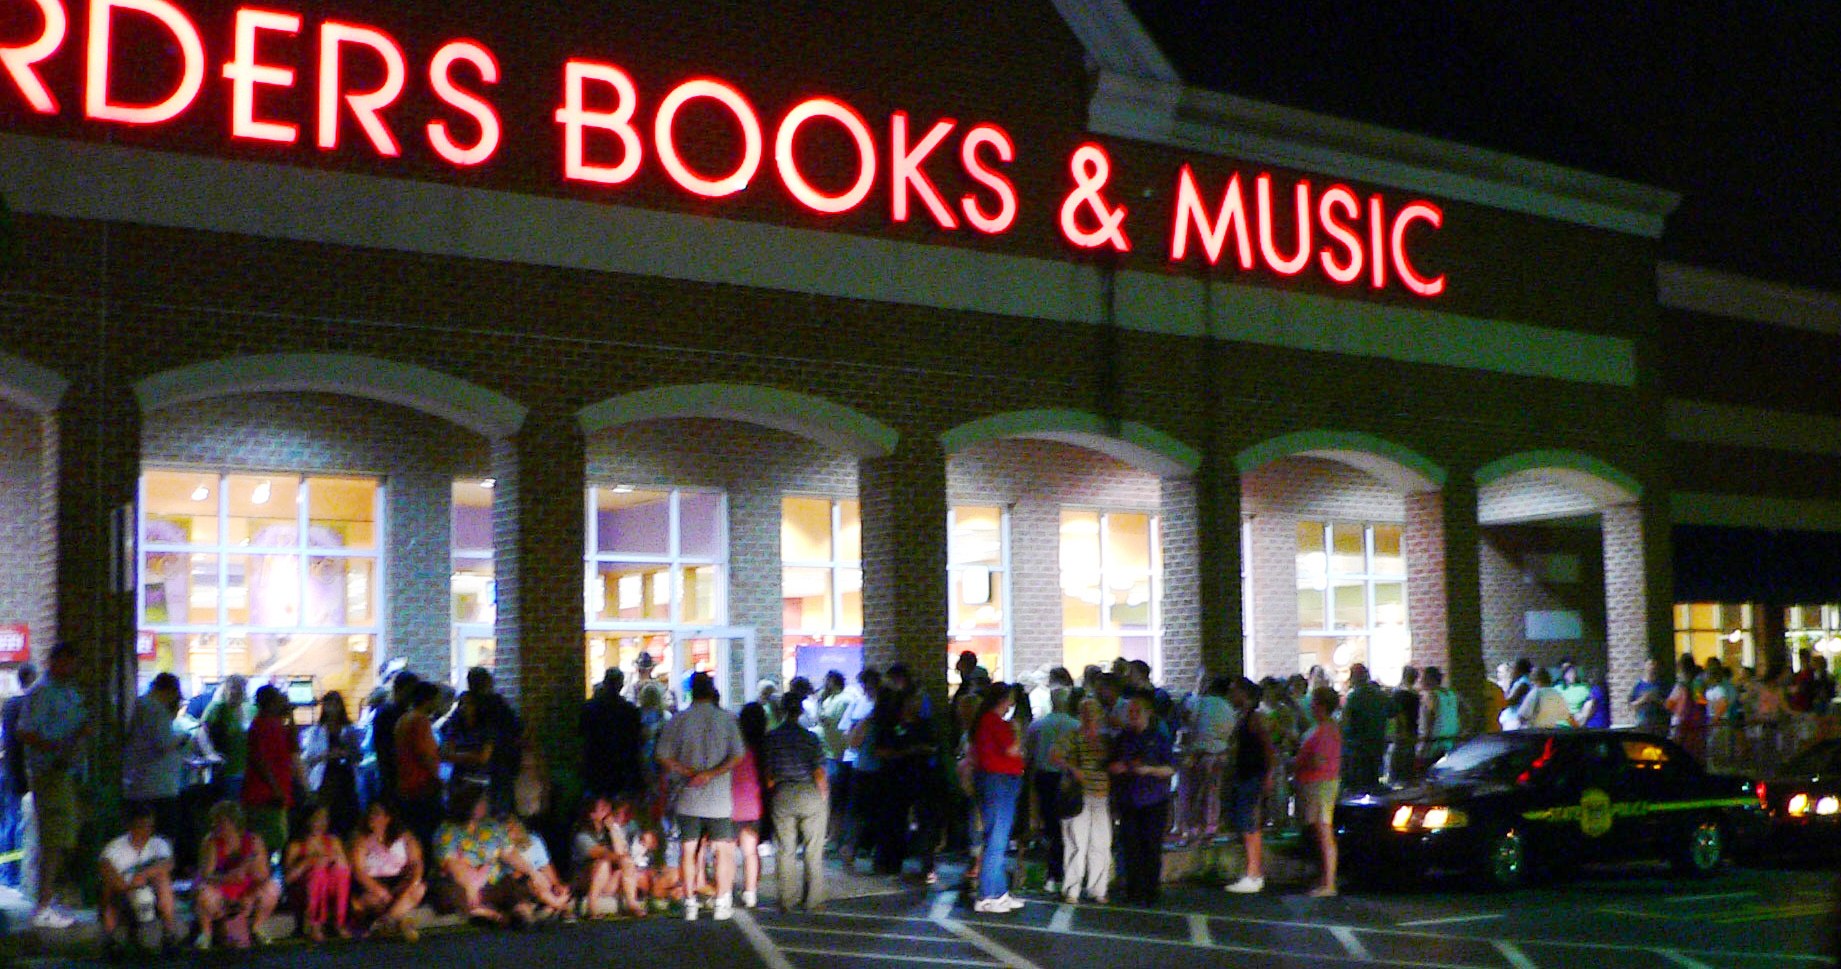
(1544, 706)
(137, 880)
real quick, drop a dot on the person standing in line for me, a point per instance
(54, 728)
(1045, 735)
(1083, 755)
(507, 731)
(152, 759)
(747, 796)
(1544, 707)
(1576, 691)
(1520, 684)
(274, 763)
(383, 737)
(834, 702)
(1209, 736)
(997, 760)
(1319, 781)
(1441, 718)
(701, 746)
(1253, 769)
(13, 786)
(329, 752)
(1403, 751)
(225, 731)
(418, 763)
(793, 768)
(1649, 700)
(609, 729)
(1142, 766)
(908, 750)
(1364, 726)
(860, 814)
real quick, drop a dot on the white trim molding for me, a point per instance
(1114, 39)
(1697, 289)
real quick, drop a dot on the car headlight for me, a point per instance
(1428, 818)
(1798, 806)
(1828, 805)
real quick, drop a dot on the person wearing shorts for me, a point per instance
(1319, 773)
(1252, 779)
(54, 728)
(698, 748)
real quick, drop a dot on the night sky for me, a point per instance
(1737, 106)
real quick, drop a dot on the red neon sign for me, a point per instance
(18, 61)
(665, 141)
(361, 73)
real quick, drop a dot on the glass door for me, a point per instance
(727, 653)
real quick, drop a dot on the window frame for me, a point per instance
(673, 560)
(1154, 628)
(955, 634)
(1368, 577)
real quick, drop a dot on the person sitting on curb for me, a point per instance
(320, 877)
(607, 875)
(137, 881)
(387, 871)
(529, 857)
(470, 849)
(235, 893)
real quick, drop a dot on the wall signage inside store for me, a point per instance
(355, 74)
(15, 643)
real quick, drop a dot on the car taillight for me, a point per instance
(1764, 795)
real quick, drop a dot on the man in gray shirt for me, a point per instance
(699, 748)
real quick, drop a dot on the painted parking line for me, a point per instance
(1199, 934)
(1683, 961)
(1712, 897)
(770, 954)
(1770, 913)
(1454, 919)
(1003, 954)
(860, 934)
(1352, 945)
(1517, 958)
(1063, 919)
(858, 958)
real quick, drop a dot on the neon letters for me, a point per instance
(145, 63)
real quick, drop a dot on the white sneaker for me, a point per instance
(1053, 887)
(750, 899)
(690, 910)
(723, 910)
(992, 906)
(1248, 886)
(1010, 902)
(51, 918)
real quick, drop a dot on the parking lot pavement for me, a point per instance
(1623, 919)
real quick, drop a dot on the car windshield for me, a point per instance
(1495, 757)
(1819, 759)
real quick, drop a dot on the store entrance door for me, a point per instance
(727, 653)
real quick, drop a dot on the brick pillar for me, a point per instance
(538, 528)
(1425, 579)
(419, 516)
(754, 580)
(1035, 586)
(99, 461)
(1461, 538)
(904, 559)
(1274, 575)
(1628, 640)
(1773, 650)
(1201, 575)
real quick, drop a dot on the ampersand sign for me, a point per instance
(1091, 167)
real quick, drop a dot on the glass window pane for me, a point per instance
(1681, 617)
(264, 510)
(318, 662)
(263, 590)
(1310, 609)
(478, 651)
(1128, 602)
(179, 508)
(1079, 652)
(977, 536)
(988, 649)
(1312, 562)
(632, 522)
(625, 591)
(341, 591)
(849, 600)
(1389, 550)
(1349, 602)
(849, 531)
(699, 594)
(472, 520)
(178, 588)
(806, 594)
(977, 600)
(1389, 604)
(473, 590)
(622, 649)
(341, 513)
(700, 524)
(1348, 550)
(1128, 542)
(1704, 615)
(1080, 570)
(805, 530)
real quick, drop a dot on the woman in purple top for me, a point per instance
(1141, 769)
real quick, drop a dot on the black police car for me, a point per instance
(1804, 799)
(1506, 804)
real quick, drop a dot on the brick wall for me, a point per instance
(1515, 581)
(28, 536)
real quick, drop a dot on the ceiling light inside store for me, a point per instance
(261, 495)
(623, 489)
(488, 483)
(200, 493)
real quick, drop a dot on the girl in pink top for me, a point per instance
(317, 871)
(1319, 772)
(745, 793)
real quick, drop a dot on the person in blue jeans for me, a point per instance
(997, 756)
(13, 773)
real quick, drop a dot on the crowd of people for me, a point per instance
(428, 796)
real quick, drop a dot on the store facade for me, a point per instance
(456, 337)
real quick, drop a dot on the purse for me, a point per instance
(1070, 797)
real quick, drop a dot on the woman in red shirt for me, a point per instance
(997, 756)
(1319, 767)
(418, 764)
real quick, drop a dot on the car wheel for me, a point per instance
(1506, 859)
(1703, 847)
